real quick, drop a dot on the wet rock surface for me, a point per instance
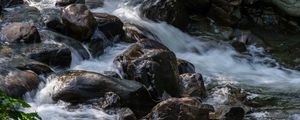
(79, 22)
(152, 64)
(192, 85)
(16, 83)
(171, 11)
(179, 109)
(21, 33)
(111, 26)
(80, 86)
(185, 66)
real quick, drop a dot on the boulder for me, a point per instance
(27, 64)
(235, 113)
(136, 33)
(180, 109)
(80, 86)
(55, 57)
(170, 11)
(225, 12)
(21, 33)
(111, 26)
(239, 46)
(16, 83)
(197, 6)
(152, 64)
(9, 3)
(52, 20)
(68, 2)
(79, 22)
(185, 66)
(192, 85)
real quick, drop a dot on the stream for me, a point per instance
(224, 70)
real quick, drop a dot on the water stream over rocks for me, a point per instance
(231, 78)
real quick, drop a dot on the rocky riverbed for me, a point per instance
(152, 59)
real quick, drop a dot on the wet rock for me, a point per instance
(225, 12)
(79, 22)
(171, 11)
(23, 13)
(111, 26)
(180, 109)
(197, 6)
(127, 114)
(80, 86)
(52, 20)
(239, 46)
(185, 66)
(16, 83)
(1, 9)
(136, 33)
(55, 57)
(112, 74)
(192, 85)
(110, 100)
(91, 4)
(152, 64)
(21, 33)
(68, 2)
(8, 3)
(235, 113)
(75, 46)
(27, 64)
(290, 7)
(97, 45)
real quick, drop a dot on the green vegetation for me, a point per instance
(9, 109)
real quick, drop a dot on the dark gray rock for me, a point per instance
(152, 64)
(21, 33)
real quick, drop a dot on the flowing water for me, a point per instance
(220, 65)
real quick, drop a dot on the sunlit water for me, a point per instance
(217, 61)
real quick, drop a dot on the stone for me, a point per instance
(21, 33)
(185, 66)
(79, 22)
(111, 26)
(16, 83)
(152, 64)
(193, 85)
(180, 109)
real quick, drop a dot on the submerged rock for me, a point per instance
(193, 85)
(23, 13)
(79, 22)
(152, 64)
(21, 32)
(16, 83)
(180, 109)
(80, 86)
(111, 26)
(170, 11)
